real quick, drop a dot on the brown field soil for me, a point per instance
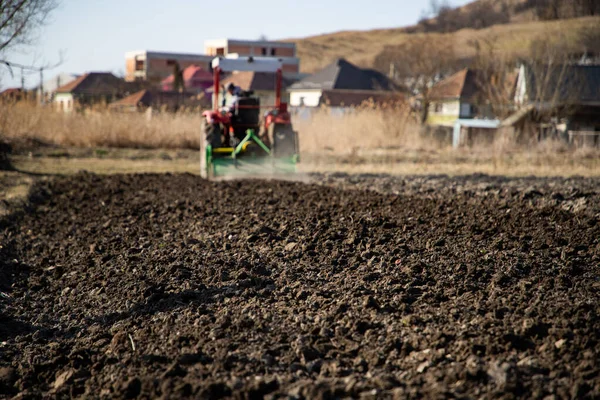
(358, 286)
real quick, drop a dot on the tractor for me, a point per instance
(241, 140)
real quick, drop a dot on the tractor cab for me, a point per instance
(247, 137)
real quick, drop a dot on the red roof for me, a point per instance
(192, 72)
(11, 92)
(451, 87)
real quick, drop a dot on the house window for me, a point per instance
(465, 110)
(272, 52)
(220, 51)
(264, 51)
(438, 107)
(139, 65)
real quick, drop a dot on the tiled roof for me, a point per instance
(343, 75)
(95, 83)
(11, 92)
(466, 84)
(143, 97)
(564, 83)
(192, 72)
(455, 86)
(154, 98)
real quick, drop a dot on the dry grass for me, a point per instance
(361, 47)
(367, 139)
(94, 128)
(362, 128)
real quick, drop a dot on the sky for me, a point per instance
(94, 35)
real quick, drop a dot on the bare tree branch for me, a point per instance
(418, 63)
(20, 20)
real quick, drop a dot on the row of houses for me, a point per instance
(540, 102)
(457, 103)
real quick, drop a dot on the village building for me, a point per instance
(50, 85)
(453, 98)
(91, 89)
(170, 101)
(342, 84)
(196, 79)
(154, 66)
(566, 105)
(13, 95)
(285, 51)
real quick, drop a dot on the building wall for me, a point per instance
(285, 52)
(130, 69)
(64, 102)
(308, 98)
(291, 68)
(443, 112)
(159, 68)
(241, 50)
(156, 68)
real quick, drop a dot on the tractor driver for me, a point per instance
(232, 97)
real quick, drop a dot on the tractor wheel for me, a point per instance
(210, 136)
(205, 164)
(211, 133)
(283, 139)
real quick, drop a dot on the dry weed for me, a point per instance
(98, 127)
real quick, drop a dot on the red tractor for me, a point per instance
(238, 140)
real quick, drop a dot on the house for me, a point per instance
(261, 83)
(154, 66)
(92, 88)
(340, 82)
(162, 100)
(13, 94)
(50, 85)
(453, 98)
(195, 79)
(566, 105)
(286, 51)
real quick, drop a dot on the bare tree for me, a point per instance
(495, 76)
(20, 19)
(555, 84)
(19, 23)
(418, 63)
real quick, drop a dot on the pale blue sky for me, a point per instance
(95, 34)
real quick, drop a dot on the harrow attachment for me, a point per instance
(250, 158)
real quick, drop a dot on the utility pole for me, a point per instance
(392, 71)
(42, 99)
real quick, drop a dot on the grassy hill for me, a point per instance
(515, 38)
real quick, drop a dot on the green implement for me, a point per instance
(251, 157)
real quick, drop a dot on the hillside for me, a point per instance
(362, 47)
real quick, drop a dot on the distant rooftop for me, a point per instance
(168, 54)
(343, 75)
(244, 42)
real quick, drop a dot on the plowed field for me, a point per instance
(168, 285)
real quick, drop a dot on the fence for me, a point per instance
(584, 138)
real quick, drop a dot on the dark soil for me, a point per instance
(168, 285)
